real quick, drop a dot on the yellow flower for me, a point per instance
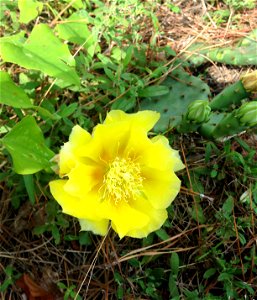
(118, 174)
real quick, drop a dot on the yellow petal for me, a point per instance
(114, 141)
(174, 154)
(68, 154)
(156, 219)
(124, 218)
(97, 227)
(66, 159)
(83, 208)
(83, 179)
(160, 156)
(145, 119)
(121, 135)
(160, 187)
(79, 136)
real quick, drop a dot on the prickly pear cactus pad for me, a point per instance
(183, 90)
(243, 54)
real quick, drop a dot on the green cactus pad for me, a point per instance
(183, 89)
(231, 95)
(244, 53)
(221, 125)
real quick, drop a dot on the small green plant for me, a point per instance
(11, 275)
(69, 292)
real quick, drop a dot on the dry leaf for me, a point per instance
(32, 289)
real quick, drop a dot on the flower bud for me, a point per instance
(198, 111)
(249, 81)
(247, 114)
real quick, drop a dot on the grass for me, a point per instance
(206, 248)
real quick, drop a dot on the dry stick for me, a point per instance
(160, 243)
(153, 253)
(91, 267)
(60, 13)
(205, 12)
(191, 192)
(28, 250)
(229, 21)
(191, 187)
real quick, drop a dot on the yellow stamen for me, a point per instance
(122, 180)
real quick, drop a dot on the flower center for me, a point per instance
(122, 181)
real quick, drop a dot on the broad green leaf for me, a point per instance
(76, 31)
(25, 142)
(11, 94)
(42, 51)
(29, 10)
(17, 39)
(14, 96)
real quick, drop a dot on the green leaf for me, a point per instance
(66, 111)
(29, 10)
(5, 284)
(197, 213)
(29, 184)
(42, 51)
(245, 285)
(162, 234)
(46, 113)
(40, 229)
(225, 276)
(70, 237)
(207, 274)
(128, 57)
(174, 293)
(26, 144)
(56, 234)
(9, 271)
(124, 104)
(11, 94)
(84, 238)
(174, 263)
(76, 31)
(228, 206)
(154, 91)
